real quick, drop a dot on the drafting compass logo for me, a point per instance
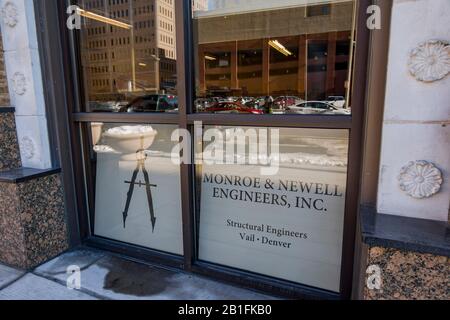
(132, 142)
(148, 188)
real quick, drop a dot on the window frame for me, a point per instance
(78, 123)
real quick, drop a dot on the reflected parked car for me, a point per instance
(152, 103)
(244, 100)
(201, 104)
(254, 105)
(283, 102)
(337, 101)
(106, 106)
(232, 107)
(316, 107)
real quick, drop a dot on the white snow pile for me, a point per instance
(128, 131)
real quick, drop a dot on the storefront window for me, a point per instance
(137, 185)
(269, 200)
(273, 57)
(128, 56)
(287, 225)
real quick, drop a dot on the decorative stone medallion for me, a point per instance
(9, 14)
(28, 148)
(420, 179)
(19, 83)
(430, 61)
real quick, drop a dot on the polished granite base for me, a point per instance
(32, 217)
(9, 147)
(407, 275)
(411, 255)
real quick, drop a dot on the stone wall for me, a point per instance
(23, 71)
(416, 127)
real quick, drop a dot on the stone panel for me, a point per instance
(417, 112)
(24, 77)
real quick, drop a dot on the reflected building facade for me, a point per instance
(250, 53)
(123, 62)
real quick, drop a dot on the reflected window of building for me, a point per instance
(318, 10)
(274, 56)
(128, 55)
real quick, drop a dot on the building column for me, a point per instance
(416, 126)
(33, 225)
(23, 69)
(302, 75)
(331, 63)
(201, 70)
(234, 66)
(266, 67)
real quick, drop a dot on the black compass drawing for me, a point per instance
(148, 188)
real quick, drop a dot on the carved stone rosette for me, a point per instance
(28, 148)
(9, 14)
(430, 61)
(19, 83)
(420, 179)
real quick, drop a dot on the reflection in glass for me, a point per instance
(137, 186)
(128, 55)
(287, 226)
(274, 56)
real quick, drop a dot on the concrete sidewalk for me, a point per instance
(105, 276)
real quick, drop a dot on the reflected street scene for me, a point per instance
(128, 55)
(251, 57)
(274, 57)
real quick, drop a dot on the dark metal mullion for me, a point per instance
(127, 117)
(71, 59)
(355, 147)
(290, 121)
(75, 63)
(262, 282)
(89, 173)
(54, 49)
(86, 182)
(185, 89)
(137, 253)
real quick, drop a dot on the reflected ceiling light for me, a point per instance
(142, 64)
(97, 17)
(210, 58)
(280, 48)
